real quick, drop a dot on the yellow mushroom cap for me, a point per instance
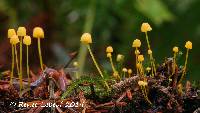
(109, 55)
(188, 45)
(86, 38)
(137, 52)
(124, 70)
(175, 49)
(115, 74)
(142, 83)
(11, 32)
(75, 64)
(120, 58)
(145, 27)
(27, 40)
(21, 31)
(109, 49)
(14, 39)
(38, 32)
(130, 71)
(136, 43)
(148, 68)
(149, 52)
(140, 58)
(145, 83)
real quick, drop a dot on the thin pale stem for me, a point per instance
(95, 63)
(17, 62)
(27, 66)
(40, 54)
(184, 68)
(20, 66)
(136, 58)
(152, 59)
(13, 63)
(147, 39)
(112, 65)
(146, 96)
(174, 66)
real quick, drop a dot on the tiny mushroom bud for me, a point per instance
(145, 27)
(124, 70)
(120, 58)
(21, 31)
(137, 52)
(109, 55)
(27, 40)
(130, 71)
(86, 38)
(148, 68)
(136, 43)
(175, 49)
(11, 32)
(149, 52)
(75, 64)
(38, 32)
(109, 49)
(141, 83)
(188, 45)
(14, 39)
(140, 58)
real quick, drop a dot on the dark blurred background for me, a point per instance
(111, 22)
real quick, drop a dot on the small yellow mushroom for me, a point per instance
(175, 49)
(11, 32)
(39, 33)
(143, 85)
(21, 31)
(145, 27)
(13, 40)
(140, 58)
(130, 72)
(136, 43)
(188, 46)
(109, 49)
(87, 40)
(120, 58)
(27, 42)
(149, 52)
(75, 64)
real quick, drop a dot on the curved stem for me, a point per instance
(16, 57)
(147, 39)
(95, 63)
(13, 60)
(40, 54)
